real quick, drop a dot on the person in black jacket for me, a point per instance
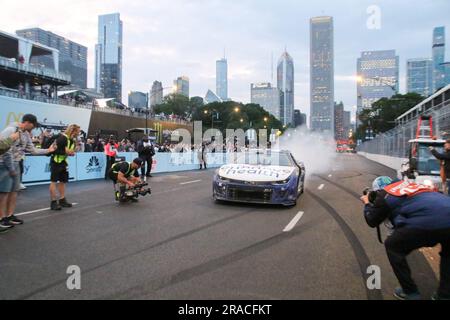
(446, 158)
(146, 152)
(420, 218)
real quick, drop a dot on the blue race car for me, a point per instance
(268, 177)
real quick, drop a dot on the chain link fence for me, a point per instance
(394, 142)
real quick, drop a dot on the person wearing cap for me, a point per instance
(420, 218)
(10, 167)
(125, 174)
(445, 157)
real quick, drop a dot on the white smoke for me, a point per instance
(316, 151)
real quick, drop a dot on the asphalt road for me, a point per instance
(179, 244)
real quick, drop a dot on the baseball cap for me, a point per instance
(138, 161)
(381, 182)
(31, 118)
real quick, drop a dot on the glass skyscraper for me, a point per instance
(438, 58)
(378, 74)
(108, 56)
(222, 79)
(72, 56)
(137, 100)
(322, 74)
(419, 76)
(285, 83)
(267, 97)
(156, 94)
(181, 86)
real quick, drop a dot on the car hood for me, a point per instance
(256, 173)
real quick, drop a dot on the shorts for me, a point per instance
(59, 172)
(8, 183)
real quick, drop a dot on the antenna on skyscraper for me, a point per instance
(224, 53)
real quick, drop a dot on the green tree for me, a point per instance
(177, 104)
(381, 117)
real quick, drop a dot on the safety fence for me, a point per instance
(395, 143)
(90, 166)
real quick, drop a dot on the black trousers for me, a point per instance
(109, 162)
(147, 163)
(405, 240)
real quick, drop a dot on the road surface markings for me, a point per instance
(293, 222)
(189, 182)
(321, 186)
(36, 211)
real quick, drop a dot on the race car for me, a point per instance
(267, 177)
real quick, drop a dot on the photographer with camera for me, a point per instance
(421, 218)
(125, 174)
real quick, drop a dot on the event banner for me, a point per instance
(12, 110)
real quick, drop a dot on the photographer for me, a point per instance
(125, 174)
(146, 152)
(10, 167)
(421, 218)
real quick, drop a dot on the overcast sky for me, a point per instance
(165, 39)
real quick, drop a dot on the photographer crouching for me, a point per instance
(421, 218)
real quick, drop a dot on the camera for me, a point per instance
(132, 194)
(372, 194)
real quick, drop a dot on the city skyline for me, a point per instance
(163, 55)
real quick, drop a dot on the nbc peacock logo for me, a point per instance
(93, 165)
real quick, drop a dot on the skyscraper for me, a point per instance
(267, 97)
(222, 79)
(339, 121)
(322, 74)
(156, 94)
(285, 83)
(181, 85)
(137, 100)
(378, 73)
(108, 56)
(419, 76)
(72, 56)
(438, 58)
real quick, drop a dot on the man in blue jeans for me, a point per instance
(446, 158)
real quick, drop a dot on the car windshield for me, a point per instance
(426, 162)
(265, 159)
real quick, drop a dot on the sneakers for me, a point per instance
(14, 220)
(5, 224)
(401, 295)
(22, 187)
(64, 204)
(55, 206)
(436, 296)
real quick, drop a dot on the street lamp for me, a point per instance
(237, 109)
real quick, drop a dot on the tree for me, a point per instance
(177, 104)
(381, 117)
(233, 115)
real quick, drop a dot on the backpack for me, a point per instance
(48, 141)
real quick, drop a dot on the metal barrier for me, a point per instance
(89, 166)
(394, 143)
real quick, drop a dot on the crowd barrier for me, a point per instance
(90, 166)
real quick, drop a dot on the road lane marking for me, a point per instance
(189, 182)
(35, 211)
(321, 186)
(293, 222)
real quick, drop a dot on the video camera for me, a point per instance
(131, 194)
(372, 194)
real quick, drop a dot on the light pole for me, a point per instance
(152, 94)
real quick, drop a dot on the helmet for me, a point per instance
(381, 182)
